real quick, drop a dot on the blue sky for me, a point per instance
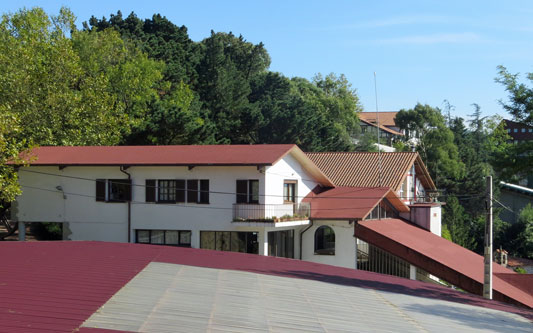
(422, 51)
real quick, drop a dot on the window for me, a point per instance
(233, 241)
(281, 243)
(164, 237)
(248, 191)
(177, 190)
(325, 241)
(530, 130)
(523, 130)
(515, 130)
(289, 191)
(113, 190)
(508, 130)
(383, 210)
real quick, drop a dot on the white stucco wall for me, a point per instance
(88, 219)
(344, 244)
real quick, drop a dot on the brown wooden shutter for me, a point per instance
(242, 190)
(204, 191)
(192, 190)
(150, 190)
(100, 190)
(180, 190)
(127, 186)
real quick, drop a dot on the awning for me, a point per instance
(440, 257)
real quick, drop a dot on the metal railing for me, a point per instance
(271, 212)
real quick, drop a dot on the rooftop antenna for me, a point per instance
(379, 146)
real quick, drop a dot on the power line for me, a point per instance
(467, 196)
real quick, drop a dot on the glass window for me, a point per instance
(119, 189)
(515, 130)
(248, 191)
(230, 241)
(325, 240)
(289, 191)
(143, 236)
(530, 130)
(157, 237)
(164, 237)
(172, 237)
(167, 191)
(523, 130)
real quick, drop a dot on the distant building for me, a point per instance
(518, 132)
(389, 132)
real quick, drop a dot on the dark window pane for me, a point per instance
(143, 236)
(325, 240)
(223, 241)
(157, 237)
(180, 190)
(253, 191)
(204, 191)
(242, 191)
(238, 241)
(207, 240)
(119, 189)
(185, 238)
(252, 245)
(192, 190)
(171, 237)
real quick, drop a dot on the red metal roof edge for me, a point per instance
(433, 266)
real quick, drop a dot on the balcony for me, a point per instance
(275, 214)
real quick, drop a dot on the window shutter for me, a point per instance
(128, 189)
(242, 191)
(180, 190)
(100, 190)
(150, 190)
(192, 190)
(204, 191)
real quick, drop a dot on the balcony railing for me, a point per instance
(271, 212)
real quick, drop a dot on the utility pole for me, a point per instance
(487, 280)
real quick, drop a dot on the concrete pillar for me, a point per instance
(22, 231)
(263, 243)
(412, 272)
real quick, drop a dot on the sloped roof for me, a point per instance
(382, 127)
(439, 257)
(386, 118)
(360, 169)
(195, 155)
(347, 203)
(57, 286)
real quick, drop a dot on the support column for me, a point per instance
(263, 243)
(412, 272)
(22, 231)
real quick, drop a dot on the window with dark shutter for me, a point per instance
(150, 190)
(119, 190)
(192, 190)
(100, 189)
(242, 191)
(180, 190)
(204, 191)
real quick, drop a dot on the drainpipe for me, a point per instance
(301, 237)
(122, 169)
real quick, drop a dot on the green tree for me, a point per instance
(524, 240)
(520, 104)
(458, 223)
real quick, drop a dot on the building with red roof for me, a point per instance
(271, 200)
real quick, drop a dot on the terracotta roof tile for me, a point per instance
(385, 118)
(360, 169)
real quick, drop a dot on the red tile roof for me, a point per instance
(360, 169)
(348, 203)
(160, 155)
(439, 257)
(386, 118)
(56, 286)
(383, 128)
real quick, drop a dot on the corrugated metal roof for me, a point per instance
(360, 169)
(176, 298)
(56, 286)
(438, 256)
(348, 203)
(160, 155)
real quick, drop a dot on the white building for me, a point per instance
(263, 199)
